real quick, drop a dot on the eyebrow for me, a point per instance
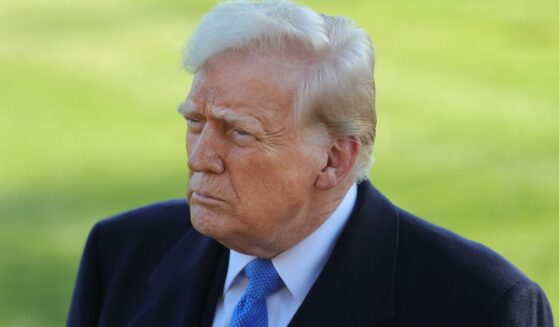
(187, 108)
(236, 118)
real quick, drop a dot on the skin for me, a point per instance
(254, 185)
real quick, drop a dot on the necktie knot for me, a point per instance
(263, 279)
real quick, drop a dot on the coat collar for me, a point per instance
(356, 287)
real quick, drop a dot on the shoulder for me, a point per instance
(451, 252)
(120, 254)
(433, 276)
(141, 236)
(161, 217)
(454, 272)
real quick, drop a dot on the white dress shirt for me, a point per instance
(298, 267)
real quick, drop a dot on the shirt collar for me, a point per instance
(237, 262)
(314, 251)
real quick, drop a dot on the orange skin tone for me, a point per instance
(255, 185)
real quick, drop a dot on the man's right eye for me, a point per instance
(194, 125)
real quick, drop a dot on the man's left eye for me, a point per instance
(242, 137)
(241, 132)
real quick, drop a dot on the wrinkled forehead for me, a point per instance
(242, 80)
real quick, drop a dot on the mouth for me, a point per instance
(204, 198)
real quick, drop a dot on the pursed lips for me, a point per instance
(204, 197)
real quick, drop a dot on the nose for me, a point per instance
(204, 156)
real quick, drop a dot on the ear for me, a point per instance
(342, 155)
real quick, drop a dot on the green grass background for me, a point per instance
(468, 133)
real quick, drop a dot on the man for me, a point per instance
(281, 226)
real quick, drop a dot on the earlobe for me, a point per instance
(326, 179)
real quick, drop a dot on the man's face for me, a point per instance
(251, 177)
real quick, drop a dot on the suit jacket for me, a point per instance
(149, 267)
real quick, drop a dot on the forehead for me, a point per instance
(246, 84)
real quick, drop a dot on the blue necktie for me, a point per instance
(263, 280)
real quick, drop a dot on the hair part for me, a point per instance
(336, 92)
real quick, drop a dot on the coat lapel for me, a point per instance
(185, 284)
(356, 286)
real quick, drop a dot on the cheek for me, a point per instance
(268, 184)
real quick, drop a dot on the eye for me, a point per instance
(194, 125)
(241, 137)
(241, 132)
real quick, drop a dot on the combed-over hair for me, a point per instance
(337, 86)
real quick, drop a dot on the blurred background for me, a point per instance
(468, 133)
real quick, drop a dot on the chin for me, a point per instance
(204, 225)
(208, 223)
(212, 227)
